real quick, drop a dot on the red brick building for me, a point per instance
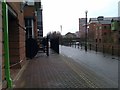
(16, 33)
(0, 45)
(103, 32)
(30, 17)
(92, 30)
(100, 30)
(22, 24)
(82, 28)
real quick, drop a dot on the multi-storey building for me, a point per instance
(14, 58)
(16, 40)
(39, 19)
(100, 29)
(82, 22)
(33, 20)
(103, 32)
(30, 17)
(92, 29)
(0, 45)
(115, 27)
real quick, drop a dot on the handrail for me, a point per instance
(6, 43)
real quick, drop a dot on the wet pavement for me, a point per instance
(65, 71)
(49, 72)
(97, 65)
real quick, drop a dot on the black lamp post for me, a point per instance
(86, 31)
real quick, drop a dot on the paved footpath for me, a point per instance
(49, 72)
(55, 71)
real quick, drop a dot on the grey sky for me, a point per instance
(67, 12)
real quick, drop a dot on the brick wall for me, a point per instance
(29, 11)
(0, 46)
(17, 37)
(92, 31)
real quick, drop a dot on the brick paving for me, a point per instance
(49, 72)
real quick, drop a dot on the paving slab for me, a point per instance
(49, 72)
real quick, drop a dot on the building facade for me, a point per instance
(0, 45)
(115, 28)
(16, 40)
(33, 20)
(22, 23)
(40, 22)
(82, 22)
(103, 33)
(39, 19)
(16, 31)
(92, 29)
(30, 18)
(100, 29)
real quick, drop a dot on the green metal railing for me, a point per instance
(6, 43)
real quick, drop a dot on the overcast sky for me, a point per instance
(67, 13)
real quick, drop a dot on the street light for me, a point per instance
(86, 31)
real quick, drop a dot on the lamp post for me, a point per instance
(86, 31)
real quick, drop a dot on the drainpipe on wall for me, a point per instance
(6, 43)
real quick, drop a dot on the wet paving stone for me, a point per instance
(49, 72)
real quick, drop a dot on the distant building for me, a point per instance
(70, 35)
(92, 29)
(100, 29)
(82, 27)
(115, 27)
(77, 34)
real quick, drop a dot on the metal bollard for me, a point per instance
(96, 48)
(112, 50)
(90, 46)
(81, 45)
(103, 49)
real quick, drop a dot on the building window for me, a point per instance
(119, 41)
(96, 40)
(105, 33)
(100, 40)
(105, 27)
(28, 22)
(100, 27)
(28, 25)
(110, 27)
(97, 28)
(119, 24)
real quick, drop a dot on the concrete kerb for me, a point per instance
(20, 72)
